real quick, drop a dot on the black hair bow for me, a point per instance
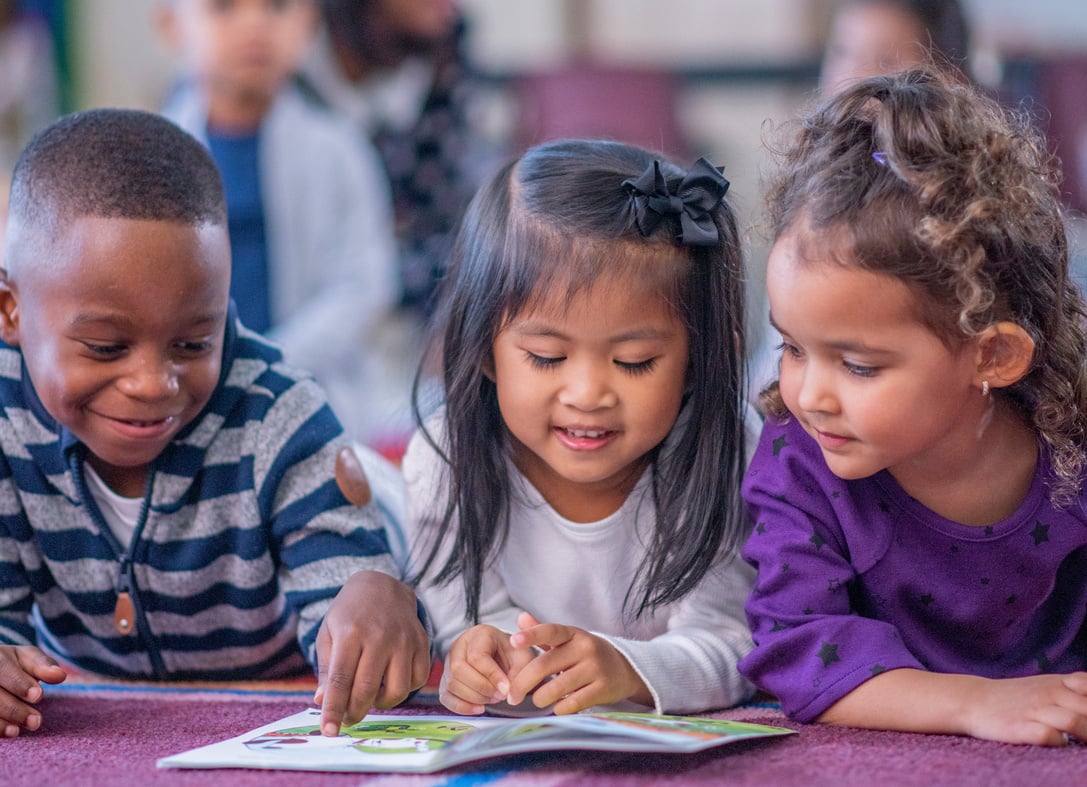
(700, 191)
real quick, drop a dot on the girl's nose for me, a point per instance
(816, 394)
(587, 389)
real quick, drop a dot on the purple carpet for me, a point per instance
(104, 734)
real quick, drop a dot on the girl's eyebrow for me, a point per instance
(844, 346)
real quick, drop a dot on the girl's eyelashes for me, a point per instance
(630, 367)
(857, 370)
(790, 349)
(637, 367)
(542, 361)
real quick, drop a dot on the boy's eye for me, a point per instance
(194, 348)
(637, 367)
(542, 361)
(105, 350)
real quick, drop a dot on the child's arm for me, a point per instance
(830, 612)
(371, 661)
(424, 472)
(356, 622)
(1037, 710)
(21, 669)
(812, 647)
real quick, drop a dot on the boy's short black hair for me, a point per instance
(115, 163)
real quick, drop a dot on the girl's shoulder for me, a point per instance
(783, 438)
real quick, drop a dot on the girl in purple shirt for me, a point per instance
(920, 533)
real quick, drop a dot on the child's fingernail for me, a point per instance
(11, 731)
(503, 688)
(33, 694)
(33, 721)
(332, 729)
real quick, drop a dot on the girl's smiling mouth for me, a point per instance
(583, 438)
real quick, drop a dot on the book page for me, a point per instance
(421, 744)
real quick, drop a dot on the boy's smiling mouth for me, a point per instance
(142, 429)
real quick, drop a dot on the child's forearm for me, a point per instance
(909, 700)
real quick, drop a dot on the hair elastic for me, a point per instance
(880, 157)
(697, 195)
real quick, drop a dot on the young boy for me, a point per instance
(311, 224)
(167, 502)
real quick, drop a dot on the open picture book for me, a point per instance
(422, 744)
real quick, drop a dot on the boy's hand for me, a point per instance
(585, 670)
(479, 669)
(21, 669)
(1043, 709)
(372, 650)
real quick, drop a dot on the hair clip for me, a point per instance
(880, 157)
(697, 195)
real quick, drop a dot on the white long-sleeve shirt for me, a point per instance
(578, 574)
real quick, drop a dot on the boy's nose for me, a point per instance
(150, 380)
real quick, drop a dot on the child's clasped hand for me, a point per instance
(555, 665)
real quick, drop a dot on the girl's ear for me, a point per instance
(488, 367)
(9, 311)
(1005, 354)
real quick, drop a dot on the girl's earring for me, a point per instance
(985, 388)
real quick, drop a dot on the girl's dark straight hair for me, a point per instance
(560, 218)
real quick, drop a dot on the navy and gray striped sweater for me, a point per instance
(243, 540)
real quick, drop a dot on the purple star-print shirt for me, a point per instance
(856, 578)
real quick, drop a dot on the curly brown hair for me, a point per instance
(923, 178)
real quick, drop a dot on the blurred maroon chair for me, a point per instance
(632, 105)
(1063, 91)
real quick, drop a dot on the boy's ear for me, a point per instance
(9, 311)
(1005, 354)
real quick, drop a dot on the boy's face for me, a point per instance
(242, 48)
(121, 325)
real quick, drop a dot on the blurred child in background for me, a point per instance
(310, 219)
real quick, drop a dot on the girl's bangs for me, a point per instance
(543, 262)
